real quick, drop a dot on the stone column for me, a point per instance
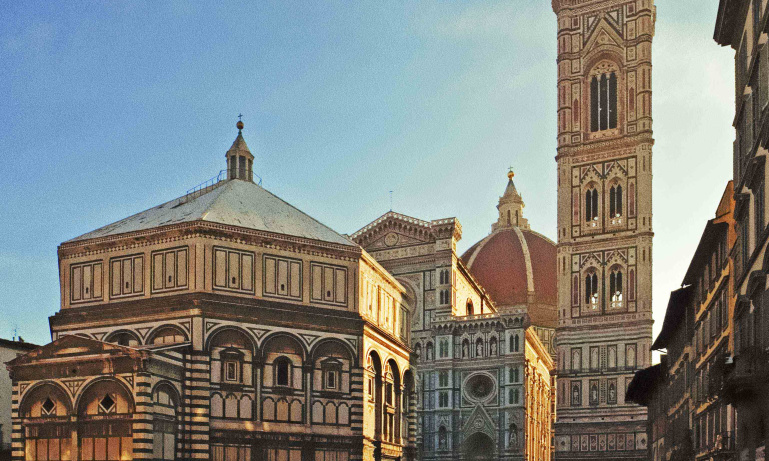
(143, 434)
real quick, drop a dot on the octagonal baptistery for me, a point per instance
(222, 325)
(517, 266)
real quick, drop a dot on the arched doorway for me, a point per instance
(479, 447)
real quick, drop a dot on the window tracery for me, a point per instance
(616, 289)
(591, 290)
(603, 97)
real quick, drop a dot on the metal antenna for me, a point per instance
(391, 200)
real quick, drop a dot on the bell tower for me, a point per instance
(604, 224)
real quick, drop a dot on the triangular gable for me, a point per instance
(479, 421)
(394, 230)
(590, 169)
(603, 34)
(620, 165)
(70, 346)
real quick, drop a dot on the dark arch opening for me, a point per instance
(479, 447)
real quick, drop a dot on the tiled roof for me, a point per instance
(235, 203)
(513, 263)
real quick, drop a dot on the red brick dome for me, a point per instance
(517, 267)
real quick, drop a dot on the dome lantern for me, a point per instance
(240, 162)
(510, 207)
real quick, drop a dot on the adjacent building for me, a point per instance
(690, 414)
(9, 349)
(742, 25)
(604, 265)
(224, 324)
(484, 371)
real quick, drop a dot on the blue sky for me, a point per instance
(109, 108)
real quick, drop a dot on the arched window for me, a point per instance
(168, 335)
(508, 217)
(442, 438)
(470, 307)
(615, 288)
(104, 422)
(591, 204)
(615, 201)
(124, 338)
(282, 371)
(591, 290)
(603, 102)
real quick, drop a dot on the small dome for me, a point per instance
(517, 267)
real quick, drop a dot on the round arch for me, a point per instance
(479, 447)
(593, 59)
(123, 338)
(300, 347)
(169, 388)
(95, 383)
(334, 342)
(166, 330)
(250, 343)
(36, 393)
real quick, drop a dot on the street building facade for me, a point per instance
(690, 414)
(742, 25)
(9, 350)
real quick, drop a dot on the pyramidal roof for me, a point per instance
(232, 202)
(510, 190)
(239, 144)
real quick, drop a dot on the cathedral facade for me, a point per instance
(604, 224)
(484, 385)
(225, 325)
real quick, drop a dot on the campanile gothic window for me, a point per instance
(615, 201)
(615, 288)
(591, 290)
(603, 99)
(591, 204)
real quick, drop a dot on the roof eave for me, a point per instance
(725, 21)
(678, 299)
(712, 231)
(109, 240)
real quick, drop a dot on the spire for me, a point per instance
(510, 207)
(510, 190)
(240, 162)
